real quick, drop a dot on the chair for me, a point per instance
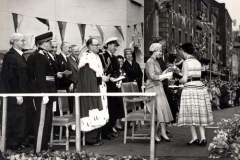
(64, 120)
(131, 113)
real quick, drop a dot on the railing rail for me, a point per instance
(77, 113)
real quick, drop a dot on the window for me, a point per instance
(180, 36)
(186, 37)
(191, 40)
(173, 34)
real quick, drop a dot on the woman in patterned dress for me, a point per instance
(195, 107)
(154, 77)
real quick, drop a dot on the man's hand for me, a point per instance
(105, 78)
(19, 100)
(59, 75)
(45, 99)
(71, 87)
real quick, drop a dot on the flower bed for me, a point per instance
(227, 141)
(58, 155)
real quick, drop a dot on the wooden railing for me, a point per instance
(77, 113)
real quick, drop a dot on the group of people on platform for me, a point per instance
(45, 71)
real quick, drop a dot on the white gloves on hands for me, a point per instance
(166, 76)
(71, 87)
(59, 75)
(19, 100)
(45, 99)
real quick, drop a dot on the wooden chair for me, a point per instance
(64, 120)
(132, 114)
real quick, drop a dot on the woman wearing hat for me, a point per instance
(195, 107)
(132, 68)
(154, 77)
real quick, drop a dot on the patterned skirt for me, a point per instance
(162, 108)
(195, 106)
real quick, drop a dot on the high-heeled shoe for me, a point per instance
(166, 140)
(203, 143)
(195, 142)
(158, 140)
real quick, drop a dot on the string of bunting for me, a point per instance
(17, 20)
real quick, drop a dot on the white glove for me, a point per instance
(59, 75)
(45, 99)
(71, 87)
(19, 100)
(165, 76)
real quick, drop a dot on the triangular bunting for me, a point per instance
(82, 28)
(17, 20)
(120, 30)
(62, 28)
(100, 31)
(44, 21)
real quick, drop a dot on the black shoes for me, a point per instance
(99, 143)
(195, 142)
(18, 147)
(165, 140)
(203, 143)
(107, 137)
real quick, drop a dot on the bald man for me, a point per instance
(15, 80)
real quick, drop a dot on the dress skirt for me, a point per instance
(163, 111)
(195, 106)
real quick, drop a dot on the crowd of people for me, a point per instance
(100, 70)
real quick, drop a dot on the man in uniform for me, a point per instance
(44, 77)
(112, 68)
(15, 80)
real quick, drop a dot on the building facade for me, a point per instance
(201, 22)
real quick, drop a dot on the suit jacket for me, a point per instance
(74, 69)
(153, 70)
(112, 68)
(15, 75)
(41, 67)
(64, 82)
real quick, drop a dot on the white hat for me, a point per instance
(155, 47)
(112, 39)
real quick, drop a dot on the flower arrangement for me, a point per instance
(227, 141)
(63, 155)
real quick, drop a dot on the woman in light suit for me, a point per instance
(154, 77)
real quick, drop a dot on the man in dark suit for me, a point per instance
(44, 77)
(15, 79)
(65, 83)
(73, 60)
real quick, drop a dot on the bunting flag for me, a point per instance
(44, 21)
(235, 64)
(62, 28)
(82, 28)
(120, 30)
(100, 31)
(17, 20)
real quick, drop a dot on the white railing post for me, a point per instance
(78, 127)
(152, 141)
(4, 125)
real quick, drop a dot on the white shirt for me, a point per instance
(19, 51)
(51, 56)
(65, 57)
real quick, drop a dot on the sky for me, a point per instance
(233, 7)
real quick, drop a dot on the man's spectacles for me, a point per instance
(96, 45)
(54, 47)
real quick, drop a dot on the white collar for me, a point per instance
(110, 53)
(65, 57)
(51, 56)
(19, 51)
